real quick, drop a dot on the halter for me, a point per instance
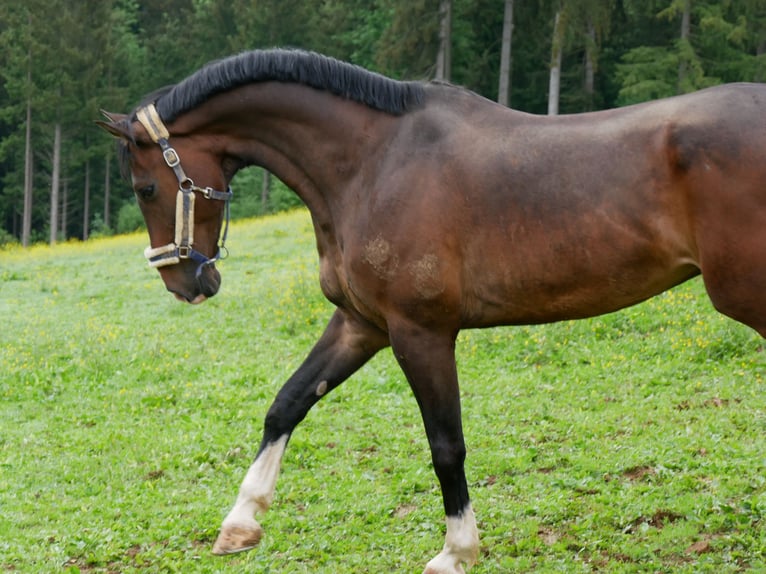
(181, 248)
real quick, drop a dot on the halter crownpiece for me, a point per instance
(181, 248)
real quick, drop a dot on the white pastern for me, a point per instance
(461, 545)
(257, 490)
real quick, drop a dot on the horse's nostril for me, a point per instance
(209, 281)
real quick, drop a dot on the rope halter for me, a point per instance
(181, 248)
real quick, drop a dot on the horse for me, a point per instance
(437, 210)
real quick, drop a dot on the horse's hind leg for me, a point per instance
(733, 265)
(345, 346)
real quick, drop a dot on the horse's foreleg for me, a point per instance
(428, 361)
(344, 347)
(240, 531)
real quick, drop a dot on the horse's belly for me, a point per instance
(540, 294)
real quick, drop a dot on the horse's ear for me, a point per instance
(114, 118)
(115, 125)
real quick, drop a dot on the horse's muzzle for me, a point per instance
(203, 284)
(209, 280)
(196, 301)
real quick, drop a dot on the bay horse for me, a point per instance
(436, 210)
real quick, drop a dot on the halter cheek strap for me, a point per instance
(181, 248)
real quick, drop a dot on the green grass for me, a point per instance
(628, 443)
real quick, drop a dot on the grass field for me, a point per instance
(628, 443)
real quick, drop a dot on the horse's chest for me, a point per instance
(331, 281)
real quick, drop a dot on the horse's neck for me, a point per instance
(310, 139)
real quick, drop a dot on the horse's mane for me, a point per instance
(296, 66)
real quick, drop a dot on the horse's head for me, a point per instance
(184, 220)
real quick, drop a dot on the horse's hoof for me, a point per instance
(237, 538)
(458, 570)
(444, 564)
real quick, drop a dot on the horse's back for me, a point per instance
(552, 218)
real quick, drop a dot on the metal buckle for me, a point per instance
(184, 251)
(171, 157)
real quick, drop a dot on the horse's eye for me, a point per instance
(146, 193)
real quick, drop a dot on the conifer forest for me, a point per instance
(62, 61)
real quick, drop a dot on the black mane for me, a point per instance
(296, 66)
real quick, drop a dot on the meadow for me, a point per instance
(632, 442)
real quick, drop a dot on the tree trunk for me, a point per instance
(107, 189)
(86, 203)
(590, 66)
(55, 180)
(444, 57)
(685, 33)
(64, 208)
(504, 87)
(557, 50)
(26, 225)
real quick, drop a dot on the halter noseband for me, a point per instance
(181, 248)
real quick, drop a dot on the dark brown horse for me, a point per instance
(436, 210)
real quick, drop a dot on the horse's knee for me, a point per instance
(279, 421)
(448, 457)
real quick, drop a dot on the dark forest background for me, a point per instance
(61, 61)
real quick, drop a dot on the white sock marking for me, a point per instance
(461, 545)
(257, 490)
